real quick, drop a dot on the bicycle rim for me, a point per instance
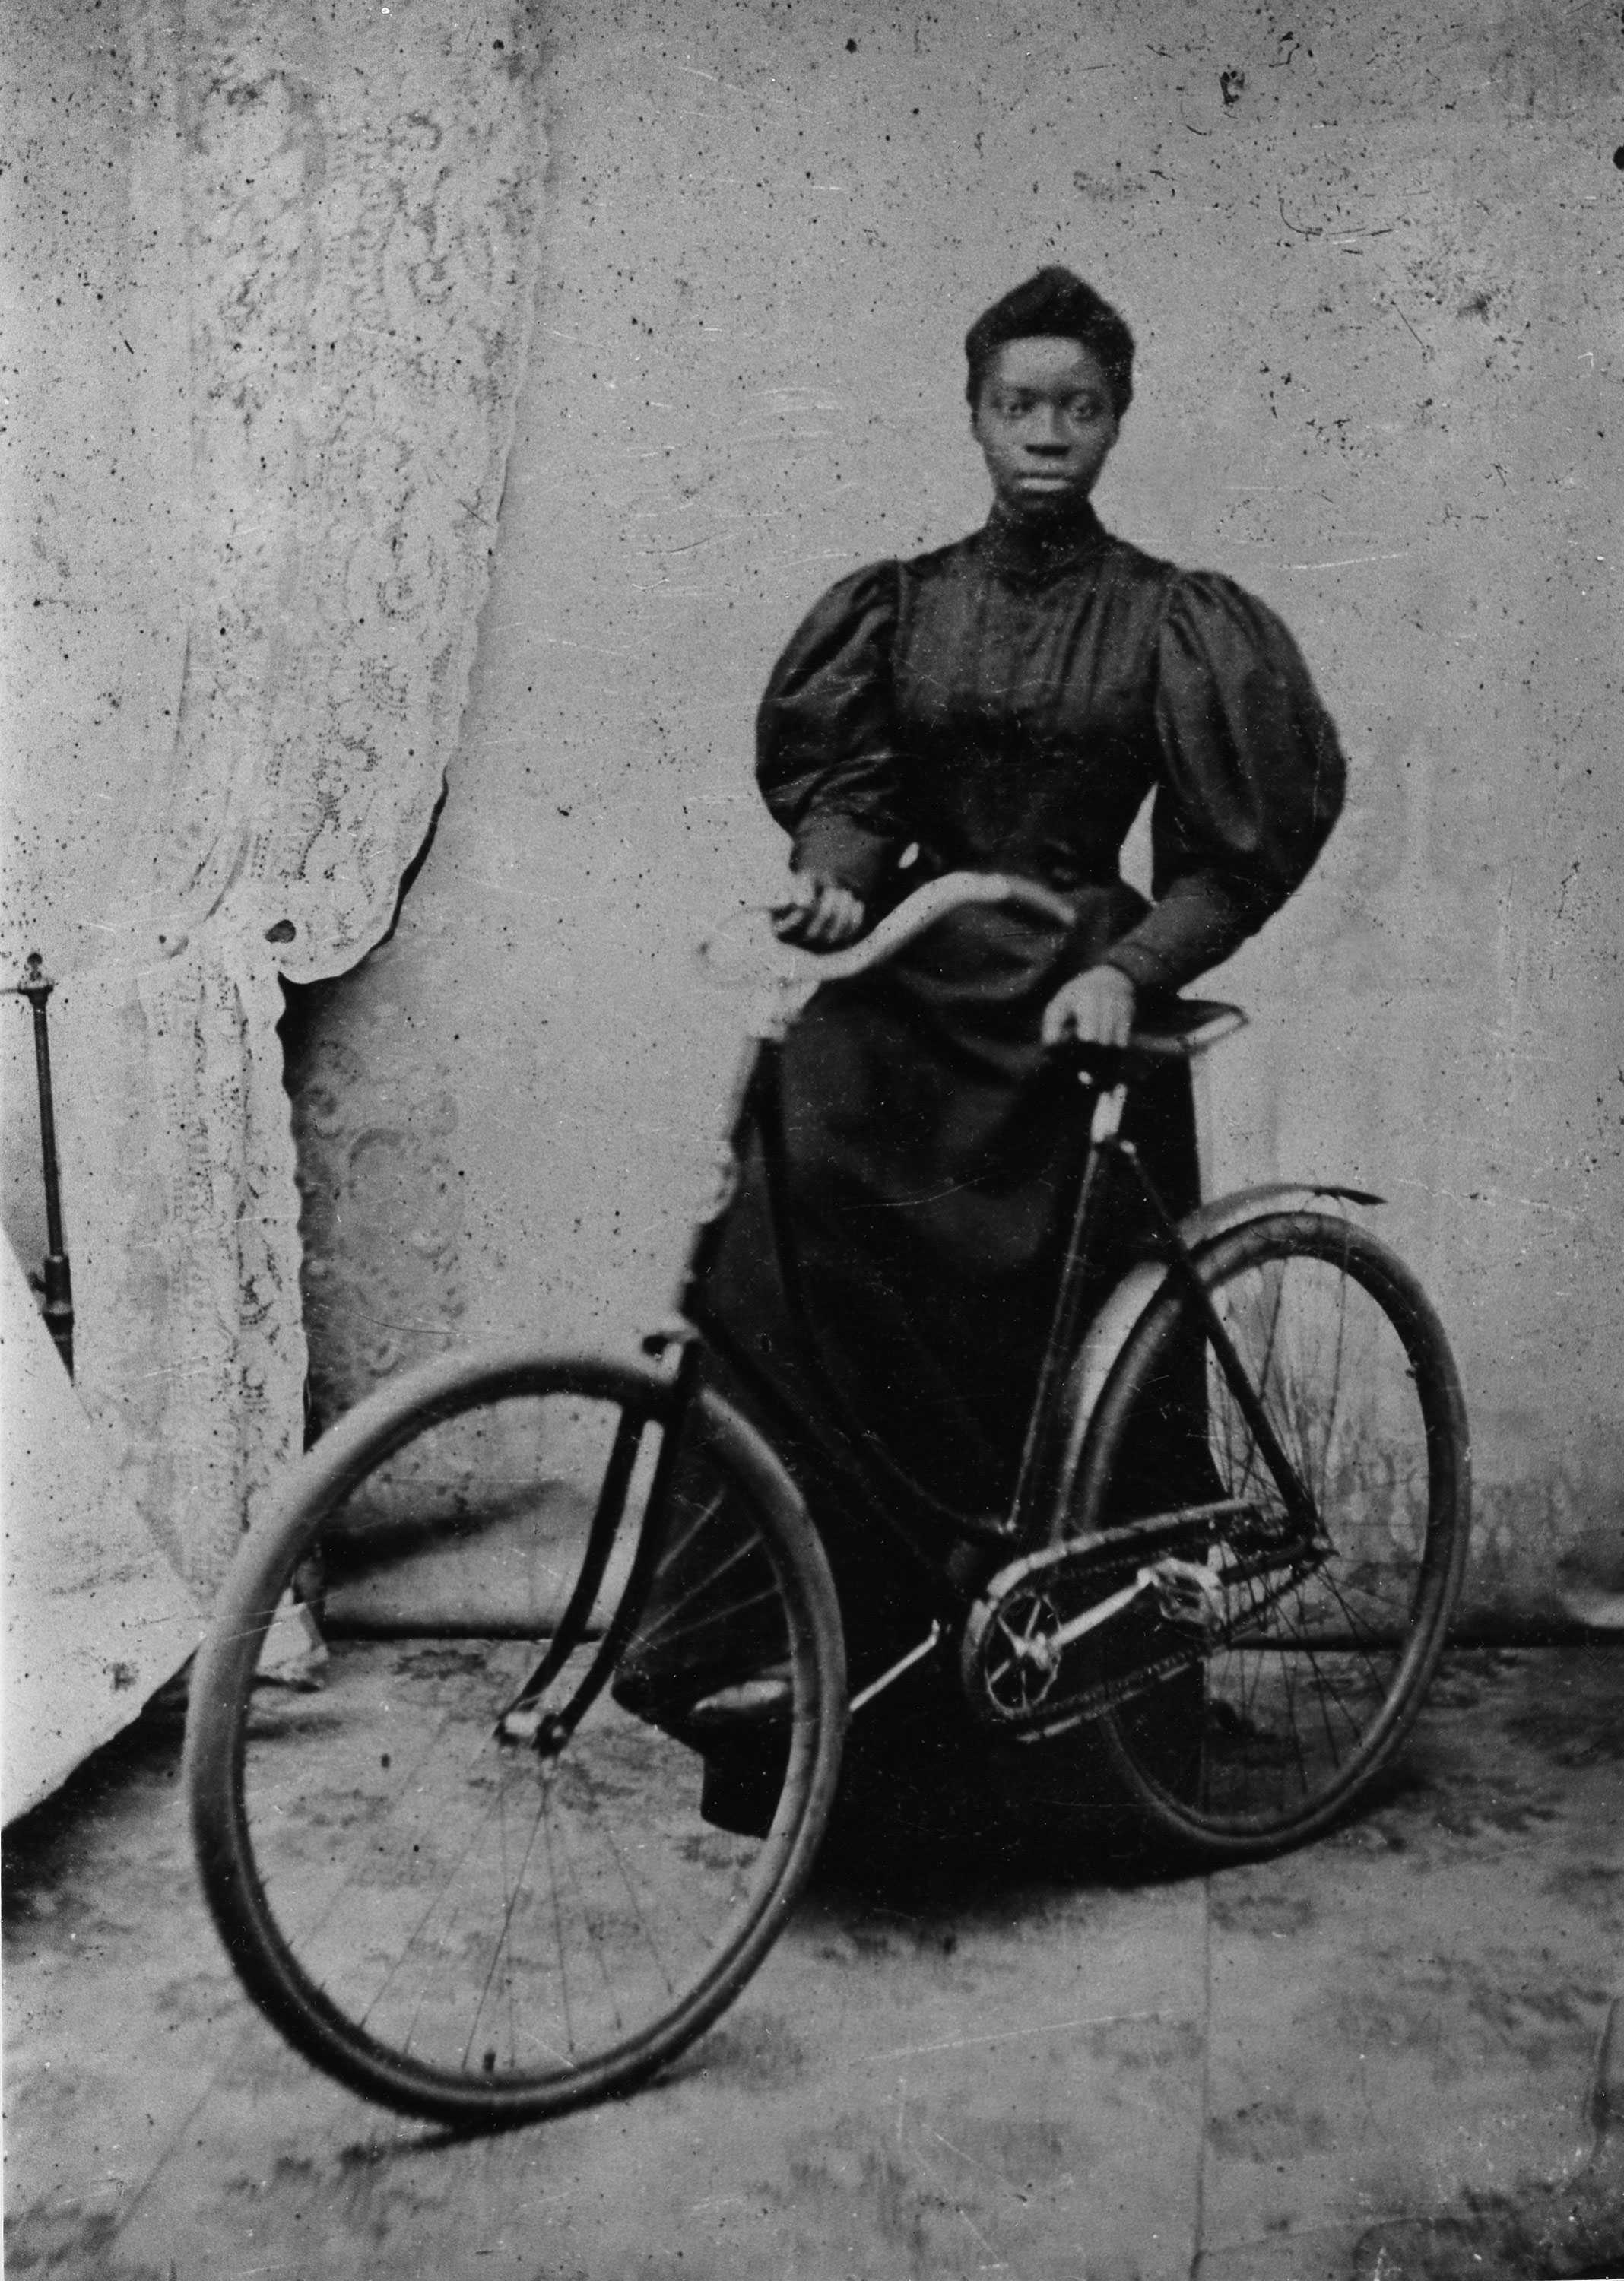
(1322, 1663)
(483, 1923)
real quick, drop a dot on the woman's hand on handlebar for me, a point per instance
(1094, 1009)
(817, 913)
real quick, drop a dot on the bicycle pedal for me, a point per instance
(1190, 1597)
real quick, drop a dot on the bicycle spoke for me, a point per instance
(1336, 1382)
(636, 1910)
(702, 1591)
(558, 1917)
(442, 1896)
(510, 1887)
(728, 1622)
(598, 1944)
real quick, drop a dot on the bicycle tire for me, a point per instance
(474, 1930)
(1276, 1733)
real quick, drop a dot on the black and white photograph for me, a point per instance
(812, 1434)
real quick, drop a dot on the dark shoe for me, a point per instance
(740, 1729)
(765, 1699)
(702, 1708)
(741, 1790)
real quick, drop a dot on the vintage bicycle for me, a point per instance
(582, 1722)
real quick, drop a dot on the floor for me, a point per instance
(986, 2047)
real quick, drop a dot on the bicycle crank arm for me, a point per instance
(1187, 1593)
(888, 1678)
(1050, 1649)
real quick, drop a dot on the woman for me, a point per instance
(1004, 704)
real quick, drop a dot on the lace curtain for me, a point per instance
(337, 209)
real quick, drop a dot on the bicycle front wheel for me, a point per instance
(1320, 1662)
(571, 1753)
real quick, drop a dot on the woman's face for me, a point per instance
(1045, 425)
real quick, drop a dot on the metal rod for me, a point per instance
(903, 1663)
(37, 986)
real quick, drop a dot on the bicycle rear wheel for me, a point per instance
(1321, 1662)
(483, 1913)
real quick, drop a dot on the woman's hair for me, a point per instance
(1057, 304)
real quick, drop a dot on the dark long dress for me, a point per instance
(1002, 704)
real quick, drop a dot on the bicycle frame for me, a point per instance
(950, 1582)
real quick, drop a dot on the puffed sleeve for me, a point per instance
(825, 745)
(1252, 781)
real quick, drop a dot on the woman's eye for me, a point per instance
(1080, 410)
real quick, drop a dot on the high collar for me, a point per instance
(1033, 554)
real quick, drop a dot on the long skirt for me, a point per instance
(933, 1154)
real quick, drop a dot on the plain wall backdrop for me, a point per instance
(1372, 256)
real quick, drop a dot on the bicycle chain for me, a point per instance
(1015, 1654)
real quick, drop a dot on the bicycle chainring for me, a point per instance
(1019, 1662)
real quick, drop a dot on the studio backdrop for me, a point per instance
(414, 403)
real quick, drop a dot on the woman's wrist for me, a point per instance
(843, 850)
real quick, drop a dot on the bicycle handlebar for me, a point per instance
(1162, 1033)
(955, 890)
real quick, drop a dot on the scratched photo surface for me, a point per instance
(426, 426)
